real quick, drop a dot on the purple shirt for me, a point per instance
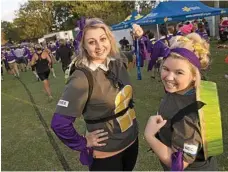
(203, 35)
(143, 49)
(179, 33)
(76, 45)
(160, 49)
(27, 53)
(57, 44)
(150, 45)
(10, 56)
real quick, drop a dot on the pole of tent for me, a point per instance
(158, 31)
(138, 59)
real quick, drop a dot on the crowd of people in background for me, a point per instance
(148, 42)
(17, 58)
(37, 58)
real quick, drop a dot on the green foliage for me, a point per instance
(110, 11)
(9, 31)
(34, 19)
(37, 18)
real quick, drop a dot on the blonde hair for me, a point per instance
(196, 44)
(95, 23)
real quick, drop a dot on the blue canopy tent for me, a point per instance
(224, 11)
(125, 25)
(127, 22)
(178, 11)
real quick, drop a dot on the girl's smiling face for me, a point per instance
(177, 76)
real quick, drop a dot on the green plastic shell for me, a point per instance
(210, 119)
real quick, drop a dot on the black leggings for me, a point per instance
(64, 68)
(124, 161)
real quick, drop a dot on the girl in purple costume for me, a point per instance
(3, 53)
(27, 56)
(11, 59)
(27, 53)
(202, 32)
(150, 46)
(143, 53)
(151, 42)
(160, 49)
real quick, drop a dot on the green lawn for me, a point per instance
(27, 147)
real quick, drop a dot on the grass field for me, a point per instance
(27, 143)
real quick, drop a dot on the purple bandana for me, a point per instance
(81, 24)
(192, 58)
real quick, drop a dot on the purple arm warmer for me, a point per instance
(62, 125)
(177, 161)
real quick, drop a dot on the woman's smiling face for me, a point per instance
(177, 76)
(97, 44)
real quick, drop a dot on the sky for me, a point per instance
(8, 7)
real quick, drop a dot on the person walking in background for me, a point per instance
(124, 43)
(48, 51)
(202, 32)
(64, 54)
(42, 63)
(206, 25)
(171, 31)
(160, 50)
(20, 59)
(3, 58)
(33, 67)
(11, 60)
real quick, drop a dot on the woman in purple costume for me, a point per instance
(27, 56)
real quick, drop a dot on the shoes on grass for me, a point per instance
(226, 76)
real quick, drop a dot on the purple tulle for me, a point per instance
(81, 25)
(86, 156)
(177, 161)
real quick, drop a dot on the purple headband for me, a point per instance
(192, 58)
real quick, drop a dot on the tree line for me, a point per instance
(37, 18)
